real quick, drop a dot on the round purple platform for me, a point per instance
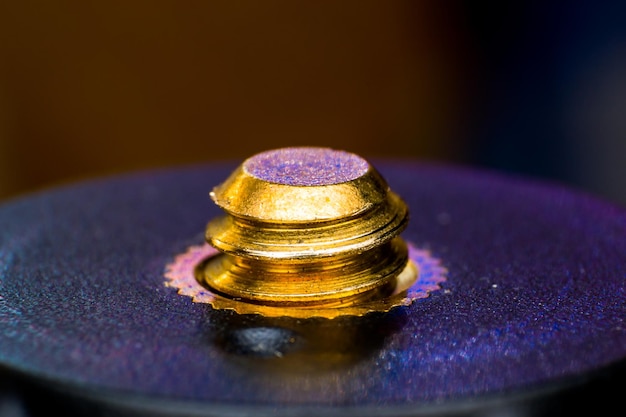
(535, 298)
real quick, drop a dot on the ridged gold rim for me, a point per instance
(428, 273)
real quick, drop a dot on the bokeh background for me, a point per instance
(96, 88)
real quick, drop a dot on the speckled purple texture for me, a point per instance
(535, 295)
(306, 166)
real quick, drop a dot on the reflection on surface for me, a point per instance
(293, 346)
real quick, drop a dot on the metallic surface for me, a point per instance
(183, 273)
(535, 301)
(313, 231)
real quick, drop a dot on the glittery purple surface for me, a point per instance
(535, 295)
(306, 166)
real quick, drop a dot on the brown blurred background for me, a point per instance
(90, 89)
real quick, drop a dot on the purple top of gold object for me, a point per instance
(306, 166)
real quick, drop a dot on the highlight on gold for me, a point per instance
(307, 232)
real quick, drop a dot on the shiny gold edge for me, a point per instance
(397, 298)
(338, 281)
(245, 196)
(312, 239)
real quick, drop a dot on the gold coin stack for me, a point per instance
(307, 228)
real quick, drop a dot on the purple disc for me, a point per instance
(306, 166)
(534, 301)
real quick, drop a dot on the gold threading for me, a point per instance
(304, 251)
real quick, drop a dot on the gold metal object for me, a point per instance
(307, 232)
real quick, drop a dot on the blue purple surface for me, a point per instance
(535, 295)
(306, 166)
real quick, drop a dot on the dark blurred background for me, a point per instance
(533, 88)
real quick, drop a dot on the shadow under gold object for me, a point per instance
(307, 232)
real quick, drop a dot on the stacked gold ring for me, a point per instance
(310, 228)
